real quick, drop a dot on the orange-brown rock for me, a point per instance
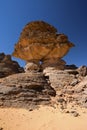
(40, 41)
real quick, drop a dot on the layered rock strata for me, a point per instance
(70, 85)
(53, 87)
(25, 90)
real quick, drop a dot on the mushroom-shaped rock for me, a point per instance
(39, 41)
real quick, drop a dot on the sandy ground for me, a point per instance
(45, 118)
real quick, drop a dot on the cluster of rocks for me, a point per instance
(8, 66)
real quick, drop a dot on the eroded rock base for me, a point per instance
(37, 66)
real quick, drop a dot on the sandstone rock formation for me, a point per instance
(51, 87)
(70, 85)
(40, 41)
(25, 90)
(57, 85)
(7, 66)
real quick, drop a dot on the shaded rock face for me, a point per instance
(7, 66)
(25, 90)
(40, 41)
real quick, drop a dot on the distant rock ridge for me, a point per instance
(7, 66)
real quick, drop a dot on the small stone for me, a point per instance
(74, 82)
(30, 109)
(61, 100)
(74, 113)
(1, 128)
(67, 111)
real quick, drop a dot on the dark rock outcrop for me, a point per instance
(69, 84)
(7, 66)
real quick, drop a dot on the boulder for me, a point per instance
(39, 41)
(30, 66)
(69, 86)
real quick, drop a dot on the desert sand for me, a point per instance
(43, 118)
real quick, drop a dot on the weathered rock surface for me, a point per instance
(25, 90)
(32, 67)
(40, 41)
(50, 87)
(47, 80)
(7, 66)
(70, 86)
(82, 70)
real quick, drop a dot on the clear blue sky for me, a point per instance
(68, 16)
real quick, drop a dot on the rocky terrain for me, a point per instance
(46, 79)
(46, 94)
(52, 87)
